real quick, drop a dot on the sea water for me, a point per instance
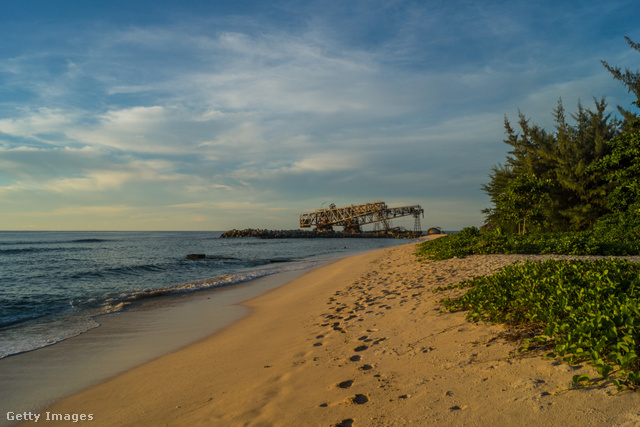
(55, 285)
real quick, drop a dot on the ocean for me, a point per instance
(55, 285)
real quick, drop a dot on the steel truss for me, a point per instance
(351, 218)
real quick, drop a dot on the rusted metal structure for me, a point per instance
(351, 218)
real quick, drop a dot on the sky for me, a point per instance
(212, 115)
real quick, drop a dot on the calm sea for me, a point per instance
(53, 285)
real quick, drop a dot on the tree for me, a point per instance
(580, 194)
(591, 166)
(632, 81)
(576, 198)
(522, 200)
(622, 168)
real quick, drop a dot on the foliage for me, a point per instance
(591, 163)
(589, 311)
(621, 168)
(623, 225)
(574, 198)
(522, 200)
(631, 80)
(470, 241)
(579, 181)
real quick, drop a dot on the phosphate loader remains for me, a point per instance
(351, 218)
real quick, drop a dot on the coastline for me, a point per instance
(33, 380)
(358, 342)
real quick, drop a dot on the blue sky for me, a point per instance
(210, 115)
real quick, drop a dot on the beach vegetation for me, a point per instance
(572, 191)
(585, 168)
(472, 241)
(581, 311)
(571, 198)
(522, 200)
(631, 79)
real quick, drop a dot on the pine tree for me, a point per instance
(590, 167)
(575, 198)
(632, 81)
(580, 197)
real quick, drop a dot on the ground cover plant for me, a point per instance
(572, 190)
(471, 241)
(585, 311)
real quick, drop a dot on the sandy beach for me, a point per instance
(359, 342)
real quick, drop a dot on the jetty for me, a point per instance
(350, 218)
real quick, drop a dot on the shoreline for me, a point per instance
(360, 341)
(35, 379)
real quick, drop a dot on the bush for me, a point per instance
(588, 311)
(470, 241)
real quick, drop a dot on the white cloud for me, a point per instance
(136, 171)
(111, 210)
(94, 181)
(232, 206)
(409, 97)
(130, 129)
(11, 188)
(22, 148)
(32, 123)
(326, 162)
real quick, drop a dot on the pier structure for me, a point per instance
(352, 218)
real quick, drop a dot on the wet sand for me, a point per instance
(360, 342)
(33, 380)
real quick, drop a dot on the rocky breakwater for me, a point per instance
(306, 234)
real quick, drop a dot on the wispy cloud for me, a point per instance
(113, 210)
(36, 124)
(274, 107)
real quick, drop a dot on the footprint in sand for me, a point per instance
(365, 367)
(345, 384)
(355, 358)
(345, 423)
(361, 348)
(358, 399)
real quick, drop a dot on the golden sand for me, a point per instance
(360, 342)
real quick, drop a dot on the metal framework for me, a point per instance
(351, 218)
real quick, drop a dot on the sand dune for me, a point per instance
(361, 342)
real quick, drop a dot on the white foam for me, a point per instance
(34, 335)
(39, 333)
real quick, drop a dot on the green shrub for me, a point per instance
(471, 241)
(588, 311)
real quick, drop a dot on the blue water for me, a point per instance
(53, 285)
